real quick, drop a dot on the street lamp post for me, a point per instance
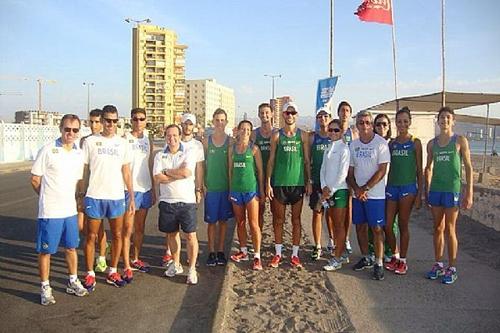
(130, 20)
(88, 84)
(273, 78)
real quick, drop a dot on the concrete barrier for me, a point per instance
(486, 208)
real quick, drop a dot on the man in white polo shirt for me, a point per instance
(107, 159)
(174, 170)
(54, 177)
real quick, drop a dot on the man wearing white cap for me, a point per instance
(288, 177)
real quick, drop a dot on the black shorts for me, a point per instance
(173, 215)
(316, 194)
(288, 195)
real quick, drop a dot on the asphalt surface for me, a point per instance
(151, 303)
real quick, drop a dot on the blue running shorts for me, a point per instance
(396, 193)
(52, 232)
(371, 211)
(444, 199)
(242, 198)
(103, 208)
(217, 207)
(143, 200)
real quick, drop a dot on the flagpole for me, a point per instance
(331, 37)
(394, 56)
(443, 69)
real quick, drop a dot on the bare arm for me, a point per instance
(465, 152)
(377, 176)
(270, 165)
(307, 162)
(260, 172)
(127, 179)
(230, 164)
(36, 182)
(428, 170)
(150, 164)
(420, 181)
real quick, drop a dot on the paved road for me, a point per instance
(151, 303)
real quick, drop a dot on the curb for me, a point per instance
(15, 167)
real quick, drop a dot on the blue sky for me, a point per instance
(237, 42)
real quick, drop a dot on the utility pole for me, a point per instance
(88, 84)
(273, 78)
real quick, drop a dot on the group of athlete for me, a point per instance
(351, 174)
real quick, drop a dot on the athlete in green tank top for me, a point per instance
(447, 168)
(264, 145)
(289, 162)
(403, 169)
(244, 172)
(216, 179)
(318, 148)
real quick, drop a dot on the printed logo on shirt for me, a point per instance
(98, 143)
(55, 150)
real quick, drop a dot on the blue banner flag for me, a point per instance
(326, 87)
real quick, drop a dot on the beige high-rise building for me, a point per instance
(158, 74)
(203, 97)
(277, 106)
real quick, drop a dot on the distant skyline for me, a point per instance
(237, 42)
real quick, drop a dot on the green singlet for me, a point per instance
(264, 145)
(403, 168)
(244, 171)
(447, 168)
(216, 177)
(289, 161)
(318, 147)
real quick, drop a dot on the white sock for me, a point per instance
(318, 246)
(168, 253)
(278, 247)
(396, 255)
(102, 258)
(295, 250)
(244, 249)
(91, 273)
(256, 255)
(45, 284)
(403, 260)
(440, 264)
(112, 270)
(347, 244)
(331, 243)
(73, 278)
(378, 261)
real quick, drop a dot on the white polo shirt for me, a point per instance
(365, 158)
(196, 147)
(139, 166)
(181, 190)
(60, 170)
(105, 157)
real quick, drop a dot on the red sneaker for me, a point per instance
(275, 262)
(116, 280)
(295, 262)
(401, 268)
(257, 265)
(391, 265)
(127, 276)
(166, 260)
(89, 282)
(240, 256)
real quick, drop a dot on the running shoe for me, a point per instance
(387, 258)
(221, 259)
(316, 254)
(46, 297)
(401, 268)
(275, 262)
(344, 258)
(128, 276)
(436, 271)
(363, 263)
(212, 259)
(101, 265)
(348, 247)
(450, 275)
(240, 256)
(89, 282)
(333, 265)
(141, 266)
(331, 246)
(295, 262)
(166, 260)
(257, 264)
(378, 272)
(116, 280)
(192, 277)
(76, 288)
(173, 270)
(392, 264)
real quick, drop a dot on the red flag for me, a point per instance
(379, 11)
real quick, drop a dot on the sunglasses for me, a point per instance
(69, 129)
(336, 130)
(366, 122)
(290, 113)
(381, 123)
(138, 119)
(109, 121)
(321, 116)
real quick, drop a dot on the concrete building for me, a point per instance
(158, 74)
(35, 117)
(277, 105)
(203, 97)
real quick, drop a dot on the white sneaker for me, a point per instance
(333, 265)
(46, 297)
(76, 289)
(192, 277)
(348, 247)
(174, 269)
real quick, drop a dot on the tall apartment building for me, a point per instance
(203, 97)
(158, 74)
(35, 117)
(277, 106)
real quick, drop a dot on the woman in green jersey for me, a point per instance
(246, 177)
(403, 190)
(443, 172)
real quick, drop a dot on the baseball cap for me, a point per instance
(323, 109)
(290, 104)
(188, 116)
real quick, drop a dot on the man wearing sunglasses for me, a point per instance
(141, 168)
(54, 177)
(107, 160)
(288, 176)
(370, 157)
